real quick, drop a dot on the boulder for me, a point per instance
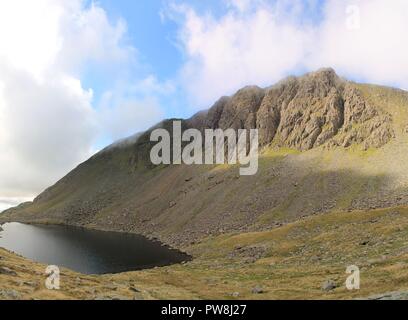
(329, 285)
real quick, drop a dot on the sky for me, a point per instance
(77, 75)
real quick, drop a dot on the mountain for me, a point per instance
(327, 144)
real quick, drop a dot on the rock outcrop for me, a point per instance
(302, 113)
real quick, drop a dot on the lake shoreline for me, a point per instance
(23, 279)
(49, 222)
(88, 250)
(230, 266)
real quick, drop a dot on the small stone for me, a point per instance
(315, 259)
(30, 283)
(235, 294)
(7, 271)
(257, 290)
(119, 297)
(329, 285)
(112, 287)
(10, 294)
(112, 297)
(370, 262)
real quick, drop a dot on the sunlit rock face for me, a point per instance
(303, 113)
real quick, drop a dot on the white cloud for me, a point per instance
(238, 49)
(45, 129)
(48, 123)
(151, 85)
(374, 50)
(248, 46)
(241, 5)
(132, 105)
(89, 37)
(120, 117)
(259, 42)
(29, 38)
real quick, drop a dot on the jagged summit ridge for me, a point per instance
(317, 109)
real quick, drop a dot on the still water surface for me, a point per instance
(86, 251)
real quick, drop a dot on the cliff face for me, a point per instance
(327, 144)
(304, 113)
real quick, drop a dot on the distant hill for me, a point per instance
(327, 144)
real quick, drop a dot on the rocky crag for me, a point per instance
(327, 144)
(303, 113)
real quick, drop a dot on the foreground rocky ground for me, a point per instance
(293, 261)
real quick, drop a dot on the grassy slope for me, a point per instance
(295, 260)
(216, 200)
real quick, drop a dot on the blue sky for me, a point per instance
(158, 49)
(80, 74)
(147, 33)
(154, 38)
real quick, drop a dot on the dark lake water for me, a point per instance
(86, 251)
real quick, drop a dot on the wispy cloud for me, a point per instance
(49, 120)
(259, 42)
